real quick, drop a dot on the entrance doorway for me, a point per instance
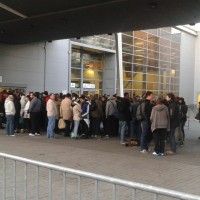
(86, 71)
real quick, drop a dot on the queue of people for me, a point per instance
(142, 119)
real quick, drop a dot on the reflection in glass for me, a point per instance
(75, 73)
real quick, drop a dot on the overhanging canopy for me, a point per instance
(23, 21)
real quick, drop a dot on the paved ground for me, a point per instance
(180, 172)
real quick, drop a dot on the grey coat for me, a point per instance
(160, 118)
(111, 108)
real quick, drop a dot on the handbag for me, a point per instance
(61, 123)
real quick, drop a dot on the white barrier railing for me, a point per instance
(156, 191)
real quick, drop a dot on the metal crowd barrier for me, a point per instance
(155, 191)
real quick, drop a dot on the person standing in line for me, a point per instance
(111, 117)
(183, 118)
(76, 117)
(10, 115)
(143, 114)
(35, 114)
(160, 124)
(174, 121)
(26, 115)
(66, 113)
(52, 114)
(96, 115)
(121, 107)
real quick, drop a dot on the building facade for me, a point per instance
(133, 62)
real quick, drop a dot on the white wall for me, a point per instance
(23, 65)
(110, 74)
(197, 70)
(57, 64)
(187, 67)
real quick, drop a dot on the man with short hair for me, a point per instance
(52, 114)
(66, 113)
(10, 114)
(145, 109)
(35, 114)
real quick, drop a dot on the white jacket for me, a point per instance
(26, 108)
(9, 107)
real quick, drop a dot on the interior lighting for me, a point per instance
(173, 72)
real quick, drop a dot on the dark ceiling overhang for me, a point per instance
(24, 21)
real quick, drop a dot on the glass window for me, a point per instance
(139, 85)
(153, 63)
(127, 66)
(166, 35)
(153, 38)
(127, 39)
(127, 58)
(140, 35)
(164, 64)
(175, 53)
(139, 68)
(140, 60)
(128, 84)
(75, 73)
(165, 57)
(152, 70)
(129, 33)
(127, 48)
(165, 72)
(152, 86)
(153, 54)
(127, 76)
(153, 31)
(140, 43)
(139, 77)
(153, 46)
(175, 60)
(164, 42)
(164, 49)
(175, 45)
(140, 52)
(152, 78)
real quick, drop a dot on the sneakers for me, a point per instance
(143, 151)
(12, 135)
(31, 134)
(155, 154)
(37, 134)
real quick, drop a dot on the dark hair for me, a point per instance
(29, 98)
(46, 93)
(68, 95)
(126, 93)
(148, 93)
(36, 94)
(171, 96)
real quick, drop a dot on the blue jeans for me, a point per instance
(51, 127)
(144, 135)
(122, 130)
(10, 124)
(135, 129)
(74, 133)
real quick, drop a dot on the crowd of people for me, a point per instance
(135, 120)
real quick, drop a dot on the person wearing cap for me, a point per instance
(10, 115)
